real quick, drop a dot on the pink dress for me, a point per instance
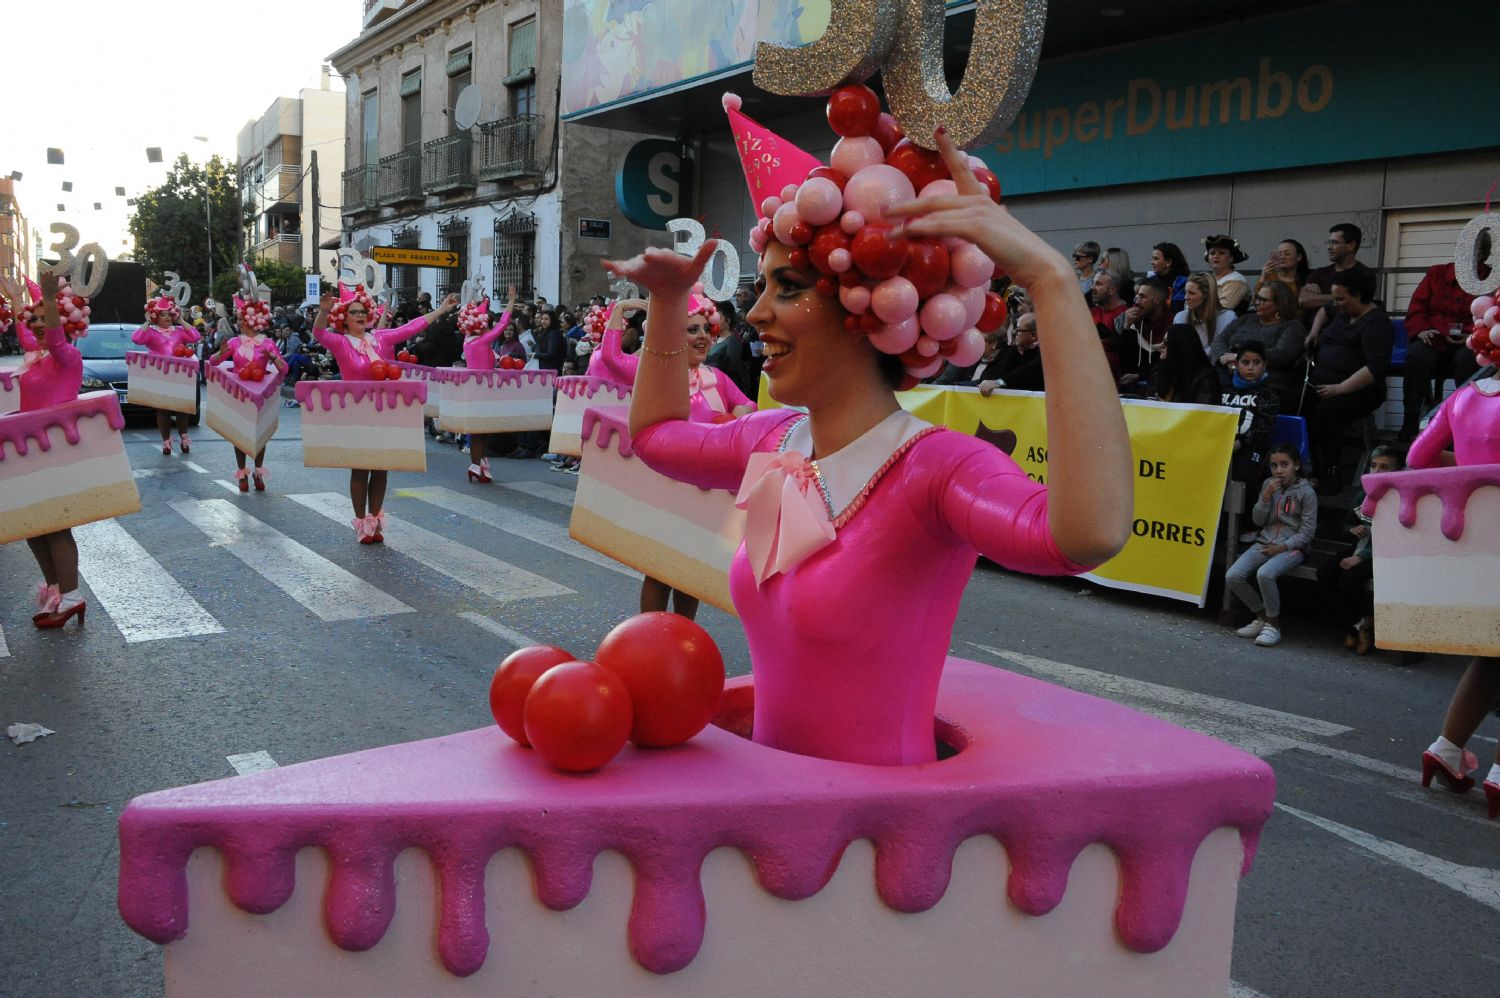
(355, 354)
(246, 349)
(479, 354)
(55, 376)
(159, 341)
(847, 646)
(711, 394)
(1468, 424)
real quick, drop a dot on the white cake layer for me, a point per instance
(148, 387)
(1438, 580)
(392, 449)
(493, 414)
(567, 431)
(842, 942)
(25, 489)
(239, 422)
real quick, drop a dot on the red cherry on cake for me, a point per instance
(674, 672)
(513, 680)
(927, 267)
(578, 716)
(994, 313)
(921, 166)
(853, 111)
(989, 180)
(377, 370)
(876, 254)
(392, 372)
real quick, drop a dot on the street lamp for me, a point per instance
(209, 213)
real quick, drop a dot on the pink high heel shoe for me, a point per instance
(47, 598)
(187, 445)
(478, 473)
(378, 524)
(1492, 798)
(60, 616)
(364, 529)
(166, 446)
(261, 477)
(1459, 783)
(242, 476)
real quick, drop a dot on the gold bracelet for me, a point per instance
(663, 353)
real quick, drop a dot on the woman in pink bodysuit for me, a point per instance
(355, 347)
(252, 346)
(51, 374)
(162, 335)
(479, 355)
(864, 523)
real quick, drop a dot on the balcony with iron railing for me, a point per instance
(509, 147)
(280, 186)
(361, 189)
(448, 164)
(401, 177)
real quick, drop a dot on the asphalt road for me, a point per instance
(1361, 881)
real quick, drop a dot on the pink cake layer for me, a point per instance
(321, 395)
(578, 386)
(492, 378)
(19, 431)
(254, 393)
(1149, 791)
(1453, 486)
(164, 364)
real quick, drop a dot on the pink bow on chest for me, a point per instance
(786, 520)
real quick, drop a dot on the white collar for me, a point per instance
(1487, 386)
(847, 473)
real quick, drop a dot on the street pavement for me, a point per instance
(230, 632)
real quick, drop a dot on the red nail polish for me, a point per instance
(942, 130)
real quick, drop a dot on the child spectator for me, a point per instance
(1287, 515)
(1349, 577)
(1253, 394)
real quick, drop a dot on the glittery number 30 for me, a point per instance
(356, 268)
(90, 262)
(1466, 255)
(688, 237)
(179, 290)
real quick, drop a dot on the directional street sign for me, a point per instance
(407, 257)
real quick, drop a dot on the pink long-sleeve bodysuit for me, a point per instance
(847, 647)
(164, 341)
(1468, 424)
(479, 354)
(53, 378)
(355, 353)
(247, 349)
(711, 393)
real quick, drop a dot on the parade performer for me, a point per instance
(356, 348)
(252, 347)
(51, 374)
(863, 522)
(165, 335)
(479, 355)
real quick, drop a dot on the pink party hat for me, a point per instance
(35, 290)
(770, 161)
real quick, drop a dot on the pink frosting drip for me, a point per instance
(165, 363)
(419, 371)
(8, 380)
(387, 394)
(255, 392)
(1454, 486)
(602, 425)
(490, 378)
(582, 386)
(17, 428)
(1150, 791)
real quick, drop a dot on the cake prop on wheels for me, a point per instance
(575, 394)
(678, 533)
(244, 411)
(163, 381)
(374, 425)
(494, 401)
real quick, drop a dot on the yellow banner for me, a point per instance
(1181, 458)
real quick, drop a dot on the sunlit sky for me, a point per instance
(104, 80)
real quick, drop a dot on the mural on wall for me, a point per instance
(618, 49)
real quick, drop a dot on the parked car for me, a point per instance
(103, 351)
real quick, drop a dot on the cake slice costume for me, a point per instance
(244, 391)
(165, 376)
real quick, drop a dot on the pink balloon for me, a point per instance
(971, 266)
(850, 155)
(852, 222)
(896, 337)
(819, 201)
(894, 299)
(840, 260)
(855, 299)
(1495, 336)
(1491, 315)
(939, 188)
(972, 300)
(926, 370)
(758, 241)
(943, 316)
(927, 346)
(875, 188)
(1481, 305)
(970, 348)
(786, 216)
(769, 205)
(975, 163)
(788, 193)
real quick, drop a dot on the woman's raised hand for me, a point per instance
(970, 214)
(662, 271)
(511, 293)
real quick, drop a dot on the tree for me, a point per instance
(170, 224)
(286, 281)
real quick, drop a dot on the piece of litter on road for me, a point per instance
(1084, 592)
(27, 732)
(251, 762)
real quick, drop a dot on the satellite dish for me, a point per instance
(466, 108)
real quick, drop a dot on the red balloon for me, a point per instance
(851, 323)
(377, 370)
(870, 323)
(828, 239)
(876, 254)
(513, 680)
(912, 358)
(908, 382)
(947, 348)
(827, 287)
(674, 672)
(921, 166)
(828, 173)
(801, 233)
(853, 111)
(988, 179)
(888, 132)
(798, 258)
(578, 716)
(850, 278)
(927, 267)
(994, 313)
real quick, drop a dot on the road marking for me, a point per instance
(142, 598)
(150, 472)
(543, 490)
(318, 584)
(1114, 687)
(196, 467)
(4, 648)
(1477, 883)
(514, 637)
(511, 521)
(1238, 990)
(499, 580)
(252, 762)
(231, 486)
